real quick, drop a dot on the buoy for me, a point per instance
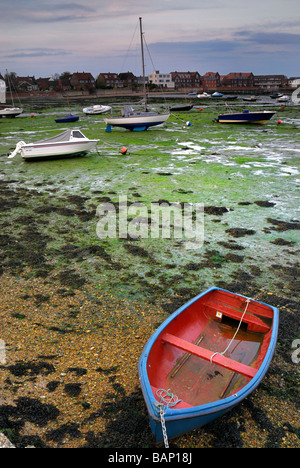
(188, 123)
(32, 115)
(279, 121)
(201, 108)
(124, 150)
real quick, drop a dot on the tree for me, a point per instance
(65, 75)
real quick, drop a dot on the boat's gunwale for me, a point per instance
(250, 113)
(171, 414)
(61, 143)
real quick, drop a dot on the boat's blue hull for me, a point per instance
(134, 127)
(181, 420)
(246, 117)
(67, 119)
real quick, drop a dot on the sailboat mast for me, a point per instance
(10, 87)
(143, 63)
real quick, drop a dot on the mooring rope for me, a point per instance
(236, 332)
(168, 400)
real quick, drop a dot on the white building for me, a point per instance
(163, 80)
(2, 91)
(294, 82)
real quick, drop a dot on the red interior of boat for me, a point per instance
(188, 357)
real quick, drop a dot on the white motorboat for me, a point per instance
(11, 111)
(131, 119)
(250, 99)
(284, 98)
(97, 109)
(203, 95)
(66, 144)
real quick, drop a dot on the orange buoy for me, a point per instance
(124, 150)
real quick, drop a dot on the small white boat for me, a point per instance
(203, 95)
(11, 111)
(66, 144)
(97, 109)
(283, 99)
(250, 99)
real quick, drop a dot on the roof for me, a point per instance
(210, 74)
(238, 75)
(109, 75)
(83, 76)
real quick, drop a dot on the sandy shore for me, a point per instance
(71, 381)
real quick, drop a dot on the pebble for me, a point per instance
(4, 442)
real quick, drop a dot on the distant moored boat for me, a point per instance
(256, 117)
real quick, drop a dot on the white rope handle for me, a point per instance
(236, 332)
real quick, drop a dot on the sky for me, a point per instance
(47, 37)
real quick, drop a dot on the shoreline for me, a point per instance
(157, 94)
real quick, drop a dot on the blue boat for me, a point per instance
(256, 117)
(67, 119)
(205, 359)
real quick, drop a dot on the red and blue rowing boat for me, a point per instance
(205, 359)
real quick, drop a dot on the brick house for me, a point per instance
(128, 79)
(210, 81)
(109, 80)
(49, 84)
(82, 81)
(186, 79)
(26, 83)
(238, 80)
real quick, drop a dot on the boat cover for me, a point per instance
(65, 136)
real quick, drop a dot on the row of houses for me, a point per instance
(175, 80)
(213, 80)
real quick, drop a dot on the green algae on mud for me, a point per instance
(74, 289)
(229, 167)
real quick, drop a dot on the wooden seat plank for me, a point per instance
(206, 354)
(254, 323)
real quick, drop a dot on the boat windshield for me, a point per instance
(77, 134)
